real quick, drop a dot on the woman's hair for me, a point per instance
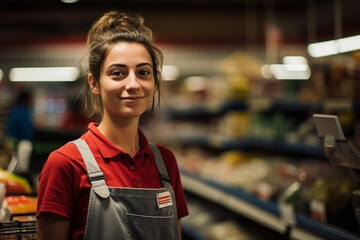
(114, 27)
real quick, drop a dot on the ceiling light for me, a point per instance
(265, 71)
(333, 47)
(290, 71)
(44, 74)
(294, 60)
(170, 72)
(294, 68)
(69, 1)
(195, 83)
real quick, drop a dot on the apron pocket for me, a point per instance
(141, 227)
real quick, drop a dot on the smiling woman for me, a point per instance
(101, 38)
(113, 183)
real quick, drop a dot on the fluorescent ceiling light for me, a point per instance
(170, 72)
(1, 74)
(294, 68)
(195, 83)
(69, 1)
(265, 71)
(333, 47)
(294, 60)
(290, 71)
(44, 74)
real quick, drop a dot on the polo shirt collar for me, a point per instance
(109, 150)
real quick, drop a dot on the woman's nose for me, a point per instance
(132, 82)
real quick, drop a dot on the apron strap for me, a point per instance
(160, 163)
(95, 175)
(164, 177)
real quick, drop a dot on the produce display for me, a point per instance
(18, 208)
(15, 200)
(15, 184)
(20, 204)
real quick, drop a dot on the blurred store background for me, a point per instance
(244, 78)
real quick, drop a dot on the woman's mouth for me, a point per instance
(131, 99)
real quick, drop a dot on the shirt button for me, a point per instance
(132, 167)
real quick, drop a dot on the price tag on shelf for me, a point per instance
(264, 191)
(318, 210)
(287, 213)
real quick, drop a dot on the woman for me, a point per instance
(133, 193)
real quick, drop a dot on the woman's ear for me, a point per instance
(94, 86)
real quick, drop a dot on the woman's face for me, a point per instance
(127, 82)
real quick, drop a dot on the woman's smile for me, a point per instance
(132, 99)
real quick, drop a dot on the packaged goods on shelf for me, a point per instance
(234, 124)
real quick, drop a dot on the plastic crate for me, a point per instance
(18, 230)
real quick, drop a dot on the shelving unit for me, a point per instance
(223, 143)
(265, 213)
(216, 108)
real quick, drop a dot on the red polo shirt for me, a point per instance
(64, 188)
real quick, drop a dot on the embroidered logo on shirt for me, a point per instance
(163, 199)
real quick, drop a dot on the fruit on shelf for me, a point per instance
(20, 204)
(14, 184)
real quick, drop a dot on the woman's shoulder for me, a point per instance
(166, 152)
(169, 157)
(66, 154)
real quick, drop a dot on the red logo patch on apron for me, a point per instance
(163, 199)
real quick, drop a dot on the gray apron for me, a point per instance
(129, 213)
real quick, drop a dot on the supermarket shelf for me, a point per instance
(206, 109)
(307, 226)
(220, 142)
(210, 109)
(264, 213)
(237, 201)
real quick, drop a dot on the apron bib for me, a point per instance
(129, 213)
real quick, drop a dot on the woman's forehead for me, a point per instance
(127, 54)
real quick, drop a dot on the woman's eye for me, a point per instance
(116, 73)
(144, 73)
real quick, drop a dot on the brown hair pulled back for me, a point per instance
(114, 27)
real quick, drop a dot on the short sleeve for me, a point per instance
(58, 183)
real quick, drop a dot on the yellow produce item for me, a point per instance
(20, 204)
(14, 184)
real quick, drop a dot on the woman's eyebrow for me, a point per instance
(117, 65)
(124, 65)
(143, 64)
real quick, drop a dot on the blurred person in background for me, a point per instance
(19, 124)
(112, 183)
(75, 119)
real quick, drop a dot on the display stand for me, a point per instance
(341, 152)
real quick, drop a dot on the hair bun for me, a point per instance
(117, 22)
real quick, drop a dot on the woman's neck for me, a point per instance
(123, 133)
